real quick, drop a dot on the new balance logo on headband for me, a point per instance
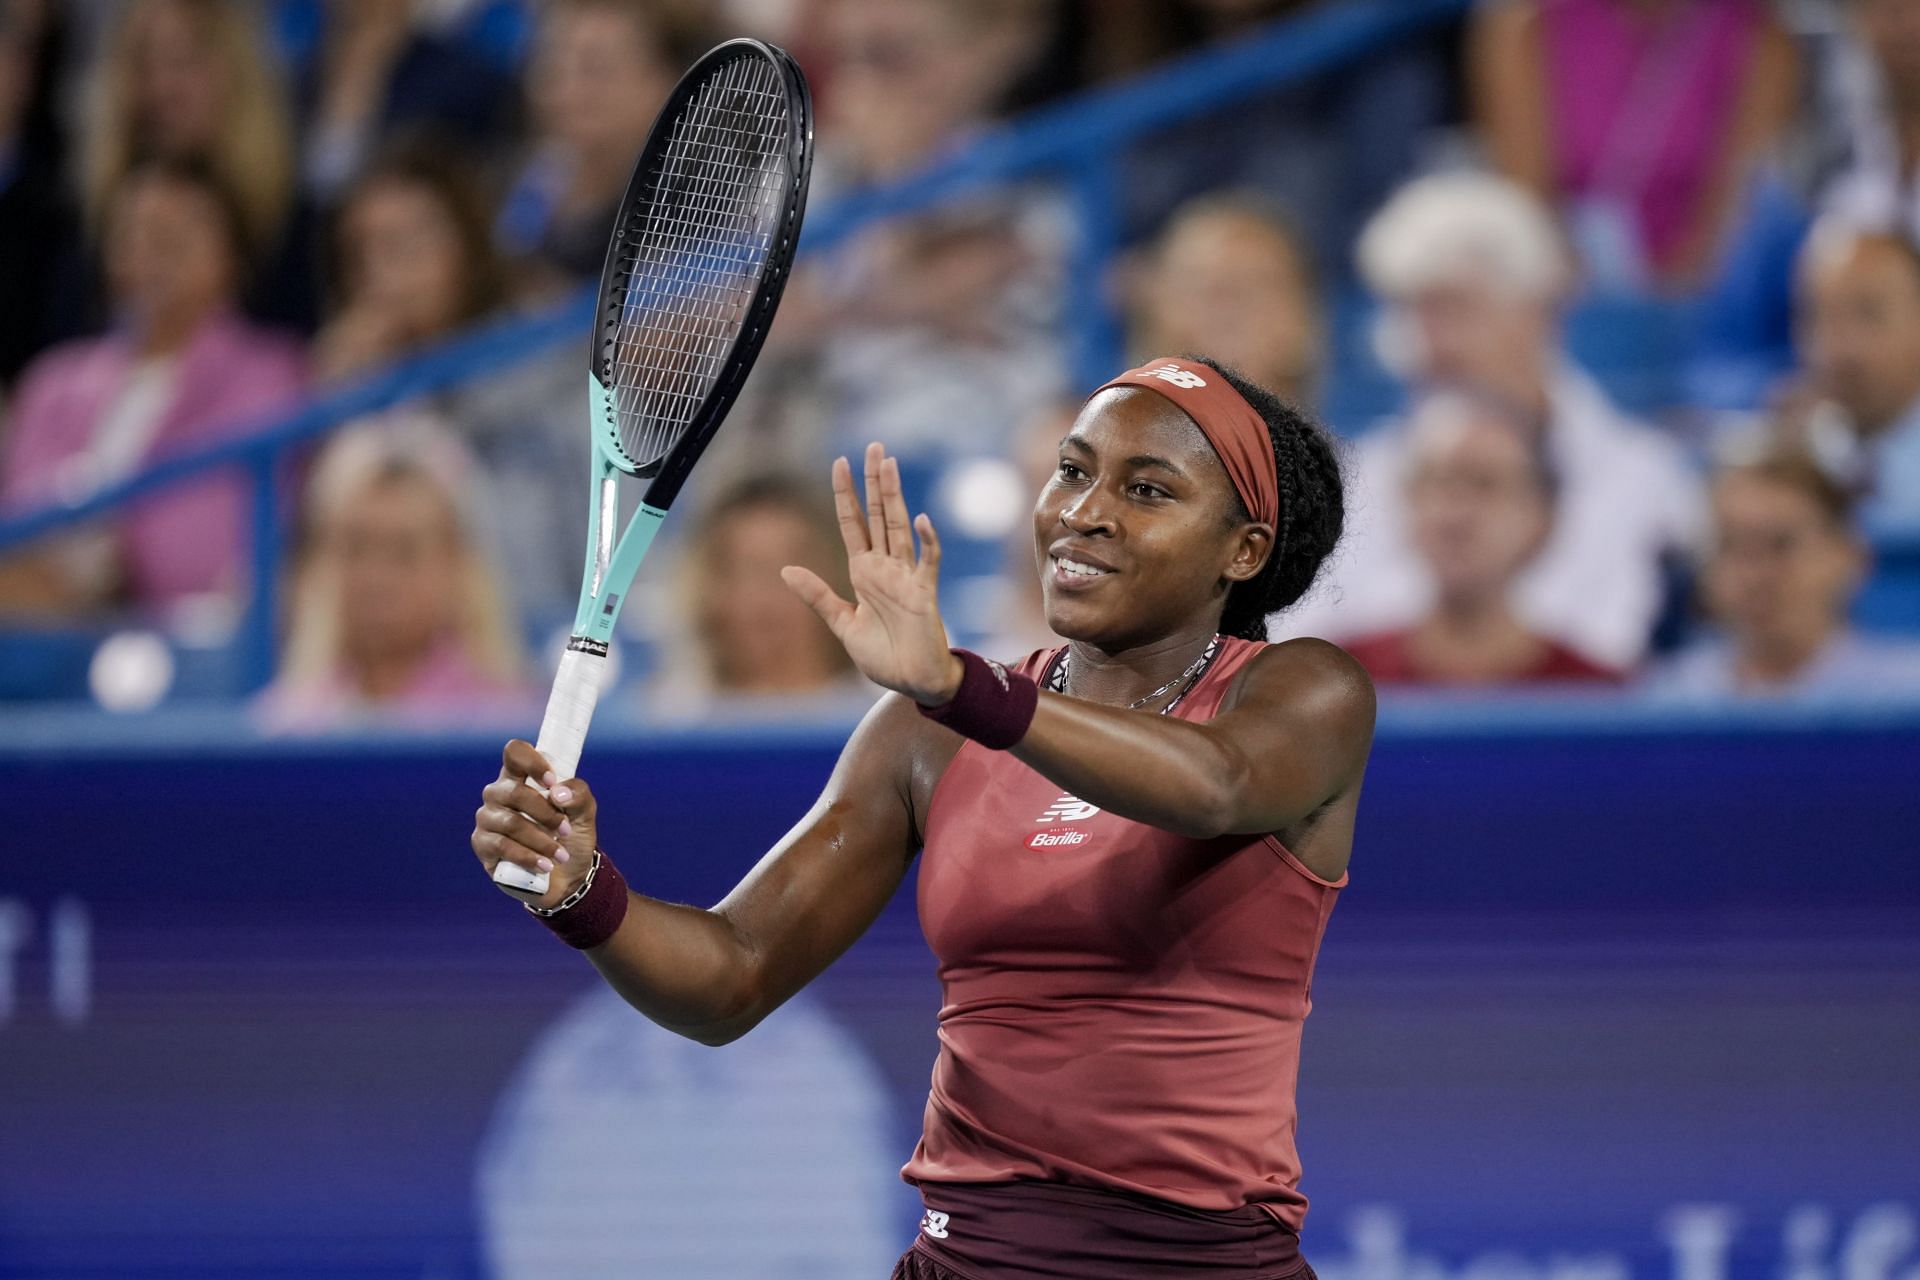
(1176, 375)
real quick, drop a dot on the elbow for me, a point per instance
(719, 1031)
(718, 1035)
(744, 1010)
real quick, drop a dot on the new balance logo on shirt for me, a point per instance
(935, 1224)
(1068, 808)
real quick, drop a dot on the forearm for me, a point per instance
(687, 969)
(1164, 772)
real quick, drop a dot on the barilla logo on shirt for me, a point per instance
(1068, 808)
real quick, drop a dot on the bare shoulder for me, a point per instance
(1308, 670)
(1308, 690)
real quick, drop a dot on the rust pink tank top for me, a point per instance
(1121, 1006)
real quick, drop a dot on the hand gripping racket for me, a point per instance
(698, 259)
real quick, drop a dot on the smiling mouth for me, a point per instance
(1069, 571)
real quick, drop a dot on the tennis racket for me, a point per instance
(695, 268)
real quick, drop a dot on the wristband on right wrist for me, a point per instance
(592, 913)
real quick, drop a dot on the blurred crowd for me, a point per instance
(211, 210)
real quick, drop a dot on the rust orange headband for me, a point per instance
(1236, 432)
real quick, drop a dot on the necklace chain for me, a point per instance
(1057, 683)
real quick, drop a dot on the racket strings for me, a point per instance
(696, 247)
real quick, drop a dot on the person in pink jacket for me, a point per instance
(179, 370)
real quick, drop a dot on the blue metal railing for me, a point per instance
(1075, 142)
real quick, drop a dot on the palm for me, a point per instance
(892, 629)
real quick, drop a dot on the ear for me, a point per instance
(1859, 563)
(1544, 513)
(1253, 543)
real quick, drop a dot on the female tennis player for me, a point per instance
(1129, 846)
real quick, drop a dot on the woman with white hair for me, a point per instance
(395, 611)
(1473, 275)
(1481, 498)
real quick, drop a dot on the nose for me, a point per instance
(1088, 514)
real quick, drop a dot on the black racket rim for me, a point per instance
(670, 471)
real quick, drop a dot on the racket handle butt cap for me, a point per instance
(516, 881)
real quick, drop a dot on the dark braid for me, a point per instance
(1312, 510)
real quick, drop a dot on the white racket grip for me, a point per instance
(576, 689)
(563, 732)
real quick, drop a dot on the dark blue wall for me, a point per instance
(1590, 974)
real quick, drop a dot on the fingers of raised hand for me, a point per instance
(894, 505)
(853, 528)
(817, 595)
(929, 546)
(876, 498)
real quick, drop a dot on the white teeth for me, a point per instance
(1079, 570)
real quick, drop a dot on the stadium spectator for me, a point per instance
(1229, 277)
(179, 369)
(601, 70)
(395, 611)
(1878, 181)
(415, 264)
(1785, 563)
(389, 65)
(193, 79)
(936, 332)
(1328, 148)
(1859, 336)
(1480, 496)
(1473, 276)
(753, 648)
(36, 222)
(414, 259)
(904, 80)
(1641, 121)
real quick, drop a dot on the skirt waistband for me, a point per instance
(1052, 1231)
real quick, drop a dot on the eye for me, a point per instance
(1068, 471)
(1148, 490)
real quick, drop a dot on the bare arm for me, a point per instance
(1765, 107)
(1297, 736)
(712, 975)
(1509, 98)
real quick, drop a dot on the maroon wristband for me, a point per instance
(588, 918)
(993, 705)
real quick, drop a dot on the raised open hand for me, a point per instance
(892, 629)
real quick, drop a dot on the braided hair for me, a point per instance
(1312, 509)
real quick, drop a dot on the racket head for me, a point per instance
(698, 259)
